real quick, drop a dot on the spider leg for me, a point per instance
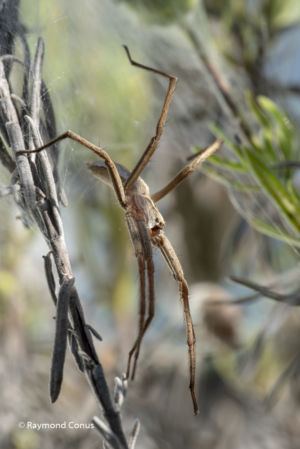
(143, 252)
(151, 311)
(187, 170)
(161, 241)
(144, 159)
(111, 167)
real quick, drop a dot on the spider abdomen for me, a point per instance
(146, 210)
(140, 204)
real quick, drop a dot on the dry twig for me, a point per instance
(35, 189)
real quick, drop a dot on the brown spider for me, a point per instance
(145, 223)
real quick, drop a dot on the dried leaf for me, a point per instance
(60, 342)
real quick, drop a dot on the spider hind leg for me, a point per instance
(161, 242)
(151, 310)
(143, 252)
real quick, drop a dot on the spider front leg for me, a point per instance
(143, 252)
(160, 241)
(144, 159)
(109, 163)
(197, 160)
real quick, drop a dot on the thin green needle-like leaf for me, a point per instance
(234, 147)
(257, 111)
(288, 206)
(269, 150)
(224, 163)
(284, 130)
(228, 181)
(276, 233)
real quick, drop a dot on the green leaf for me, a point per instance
(277, 191)
(228, 142)
(228, 181)
(224, 163)
(271, 231)
(284, 131)
(268, 147)
(257, 111)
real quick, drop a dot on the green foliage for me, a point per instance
(255, 169)
(249, 25)
(163, 12)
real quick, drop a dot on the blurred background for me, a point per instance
(241, 349)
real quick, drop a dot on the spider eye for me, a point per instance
(158, 224)
(160, 221)
(155, 229)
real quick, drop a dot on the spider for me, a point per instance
(145, 223)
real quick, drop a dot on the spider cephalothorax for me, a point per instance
(139, 203)
(145, 223)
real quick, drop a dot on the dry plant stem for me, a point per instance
(50, 124)
(49, 277)
(37, 196)
(106, 433)
(10, 118)
(225, 98)
(292, 298)
(134, 434)
(143, 161)
(111, 414)
(232, 302)
(5, 158)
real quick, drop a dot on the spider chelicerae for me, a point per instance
(145, 223)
